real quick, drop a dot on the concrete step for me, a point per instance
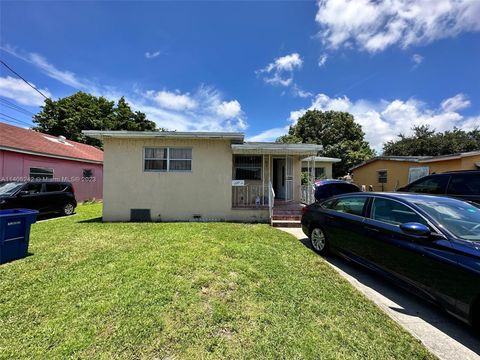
(287, 212)
(287, 223)
(286, 217)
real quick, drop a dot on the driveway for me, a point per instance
(443, 335)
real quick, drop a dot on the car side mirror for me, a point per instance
(417, 229)
(23, 193)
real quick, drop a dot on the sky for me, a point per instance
(249, 66)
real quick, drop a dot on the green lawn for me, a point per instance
(184, 291)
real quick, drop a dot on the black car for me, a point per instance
(44, 196)
(460, 184)
(428, 244)
(328, 188)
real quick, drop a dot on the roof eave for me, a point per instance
(321, 159)
(55, 156)
(232, 136)
(277, 149)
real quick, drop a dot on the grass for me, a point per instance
(184, 291)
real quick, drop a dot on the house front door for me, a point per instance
(279, 172)
(283, 178)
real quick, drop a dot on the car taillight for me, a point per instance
(304, 210)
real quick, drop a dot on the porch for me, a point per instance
(267, 176)
(260, 180)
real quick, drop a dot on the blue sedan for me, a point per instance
(428, 244)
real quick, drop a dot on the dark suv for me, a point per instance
(327, 188)
(464, 185)
(44, 196)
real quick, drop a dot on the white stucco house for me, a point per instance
(200, 176)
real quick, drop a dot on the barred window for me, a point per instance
(247, 168)
(168, 159)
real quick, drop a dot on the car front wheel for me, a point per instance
(68, 209)
(319, 240)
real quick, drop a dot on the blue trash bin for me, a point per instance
(15, 233)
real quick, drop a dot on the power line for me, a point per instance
(17, 122)
(21, 77)
(12, 118)
(13, 106)
(16, 109)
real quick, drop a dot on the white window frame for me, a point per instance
(167, 159)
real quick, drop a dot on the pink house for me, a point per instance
(27, 154)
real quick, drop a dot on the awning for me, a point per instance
(276, 149)
(322, 159)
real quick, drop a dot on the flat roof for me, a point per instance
(100, 134)
(276, 148)
(418, 159)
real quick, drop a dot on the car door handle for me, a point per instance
(372, 229)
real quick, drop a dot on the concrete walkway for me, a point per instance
(443, 335)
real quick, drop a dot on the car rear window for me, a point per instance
(430, 185)
(323, 191)
(344, 188)
(464, 184)
(54, 187)
(350, 205)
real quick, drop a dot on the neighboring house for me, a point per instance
(319, 167)
(204, 176)
(388, 173)
(27, 154)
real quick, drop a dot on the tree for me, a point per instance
(339, 134)
(70, 115)
(426, 142)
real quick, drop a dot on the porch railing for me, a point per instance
(251, 196)
(307, 194)
(271, 199)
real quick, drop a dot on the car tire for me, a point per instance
(319, 240)
(68, 209)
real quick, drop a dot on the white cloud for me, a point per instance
(384, 120)
(280, 71)
(269, 135)
(299, 92)
(457, 102)
(152, 55)
(229, 109)
(376, 25)
(322, 60)
(175, 111)
(173, 100)
(19, 91)
(64, 76)
(417, 59)
(203, 110)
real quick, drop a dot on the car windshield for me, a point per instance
(9, 188)
(462, 219)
